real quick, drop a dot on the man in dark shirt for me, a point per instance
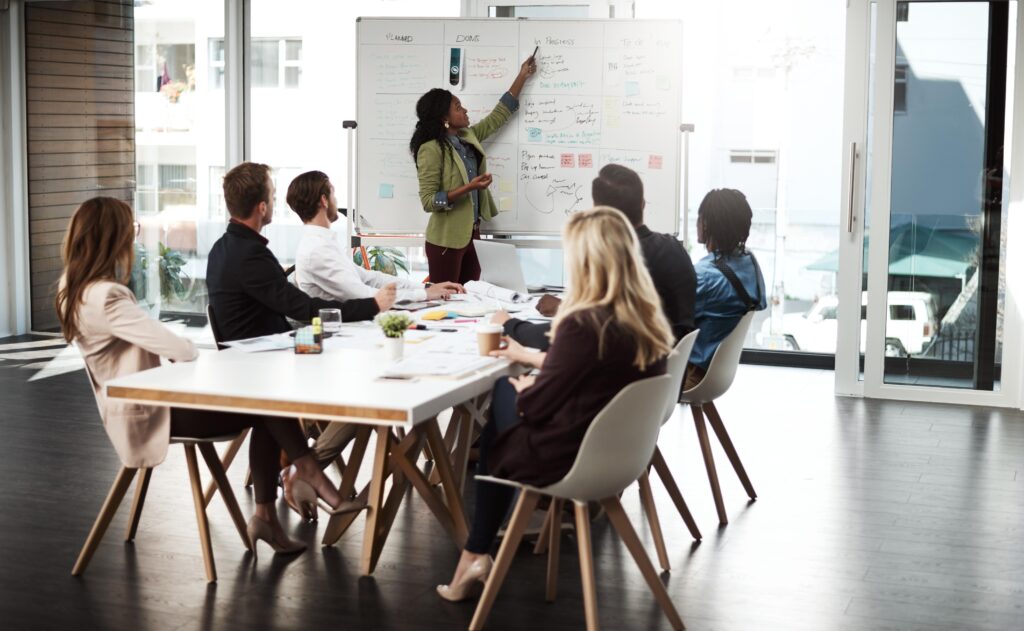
(249, 292)
(667, 262)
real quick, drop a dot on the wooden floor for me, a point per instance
(872, 515)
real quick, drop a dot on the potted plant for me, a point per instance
(172, 276)
(382, 259)
(394, 325)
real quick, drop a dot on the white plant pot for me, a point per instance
(393, 347)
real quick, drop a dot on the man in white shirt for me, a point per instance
(324, 268)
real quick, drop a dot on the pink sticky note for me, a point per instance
(568, 160)
(586, 161)
(654, 162)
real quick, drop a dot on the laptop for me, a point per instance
(499, 265)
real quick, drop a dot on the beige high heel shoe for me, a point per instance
(471, 583)
(305, 496)
(260, 530)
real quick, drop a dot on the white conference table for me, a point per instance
(344, 384)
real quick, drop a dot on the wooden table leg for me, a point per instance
(338, 524)
(409, 448)
(430, 494)
(451, 489)
(375, 500)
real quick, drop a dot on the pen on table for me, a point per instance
(423, 327)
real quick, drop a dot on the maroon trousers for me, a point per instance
(456, 265)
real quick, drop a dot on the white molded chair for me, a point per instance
(124, 479)
(677, 361)
(615, 451)
(701, 399)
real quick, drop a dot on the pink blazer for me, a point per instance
(116, 337)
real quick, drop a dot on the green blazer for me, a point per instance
(451, 226)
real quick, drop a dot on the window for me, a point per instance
(902, 11)
(216, 47)
(145, 189)
(749, 156)
(158, 65)
(899, 93)
(145, 69)
(901, 312)
(179, 138)
(276, 62)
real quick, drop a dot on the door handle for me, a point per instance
(853, 180)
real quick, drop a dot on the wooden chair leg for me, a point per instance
(229, 457)
(99, 527)
(554, 531)
(709, 462)
(586, 564)
(513, 536)
(141, 486)
(723, 437)
(220, 478)
(667, 479)
(197, 497)
(620, 521)
(545, 531)
(647, 501)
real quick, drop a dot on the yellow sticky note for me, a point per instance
(505, 204)
(505, 186)
(434, 315)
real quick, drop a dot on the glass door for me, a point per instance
(923, 310)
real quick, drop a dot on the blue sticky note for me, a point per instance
(533, 134)
(632, 88)
(386, 191)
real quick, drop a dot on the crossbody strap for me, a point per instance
(741, 291)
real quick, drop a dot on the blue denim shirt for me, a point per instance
(469, 160)
(719, 309)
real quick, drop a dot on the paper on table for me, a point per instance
(276, 342)
(483, 288)
(451, 365)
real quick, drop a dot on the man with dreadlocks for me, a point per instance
(452, 170)
(729, 280)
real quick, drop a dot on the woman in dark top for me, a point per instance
(609, 332)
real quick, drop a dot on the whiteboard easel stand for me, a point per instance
(686, 128)
(350, 217)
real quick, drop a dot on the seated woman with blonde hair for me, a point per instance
(116, 337)
(609, 332)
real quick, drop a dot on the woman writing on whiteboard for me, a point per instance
(453, 178)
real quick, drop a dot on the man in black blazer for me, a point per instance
(668, 263)
(249, 292)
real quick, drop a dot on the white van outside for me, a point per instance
(909, 328)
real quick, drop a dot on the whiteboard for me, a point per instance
(605, 91)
